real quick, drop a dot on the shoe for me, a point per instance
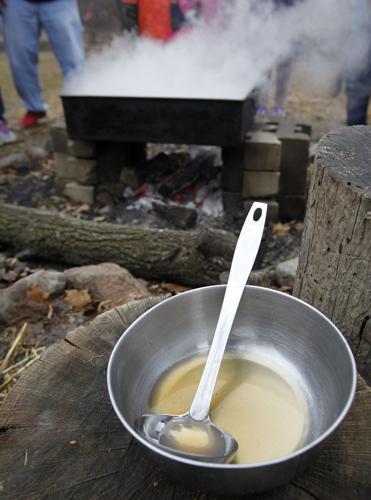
(278, 111)
(31, 118)
(261, 111)
(6, 135)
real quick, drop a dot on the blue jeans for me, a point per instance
(358, 92)
(2, 110)
(23, 22)
(358, 89)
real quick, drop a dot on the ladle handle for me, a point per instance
(243, 260)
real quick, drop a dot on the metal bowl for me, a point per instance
(269, 324)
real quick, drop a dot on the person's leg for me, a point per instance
(2, 109)
(6, 135)
(263, 98)
(357, 104)
(21, 34)
(62, 23)
(358, 90)
(283, 75)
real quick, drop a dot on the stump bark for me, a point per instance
(334, 272)
(59, 436)
(149, 253)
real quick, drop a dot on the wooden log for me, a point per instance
(59, 436)
(148, 253)
(188, 175)
(334, 272)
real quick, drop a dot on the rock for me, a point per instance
(80, 193)
(82, 149)
(28, 296)
(286, 272)
(13, 161)
(106, 282)
(35, 153)
(261, 277)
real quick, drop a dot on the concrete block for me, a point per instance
(59, 138)
(295, 139)
(295, 154)
(273, 208)
(232, 201)
(111, 157)
(294, 164)
(75, 169)
(80, 193)
(260, 184)
(292, 207)
(232, 171)
(262, 152)
(82, 149)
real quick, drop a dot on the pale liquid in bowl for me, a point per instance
(261, 408)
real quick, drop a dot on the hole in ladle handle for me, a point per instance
(257, 214)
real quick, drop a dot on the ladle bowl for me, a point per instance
(269, 324)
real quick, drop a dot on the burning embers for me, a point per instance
(171, 183)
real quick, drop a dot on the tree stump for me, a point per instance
(334, 272)
(59, 436)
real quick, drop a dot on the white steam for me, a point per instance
(225, 60)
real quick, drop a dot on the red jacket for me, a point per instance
(154, 17)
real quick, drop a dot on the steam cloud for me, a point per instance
(227, 59)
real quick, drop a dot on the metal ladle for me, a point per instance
(208, 442)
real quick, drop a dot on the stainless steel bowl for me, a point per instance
(269, 324)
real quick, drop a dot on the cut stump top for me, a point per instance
(59, 436)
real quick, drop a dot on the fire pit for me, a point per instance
(128, 123)
(158, 120)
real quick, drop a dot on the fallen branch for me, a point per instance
(149, 253)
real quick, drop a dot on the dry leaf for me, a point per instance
(73, 442)
(174, 288)
(78, 299)
(281, 229)
(299, 226)
(36, 294)
(104, 306)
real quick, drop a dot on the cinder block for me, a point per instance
(232, 201)
(294, 164)
(82, 149)
(260, 184)
(262, 152)
(233, 170)
(80, 193)
(292, 207)
(59, 138)
(273, 208)
(111, 157)
(295, 139)
(75, 169)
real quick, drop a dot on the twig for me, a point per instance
(17, 373)
(13, 348)
(17, 365)
(50, 311)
